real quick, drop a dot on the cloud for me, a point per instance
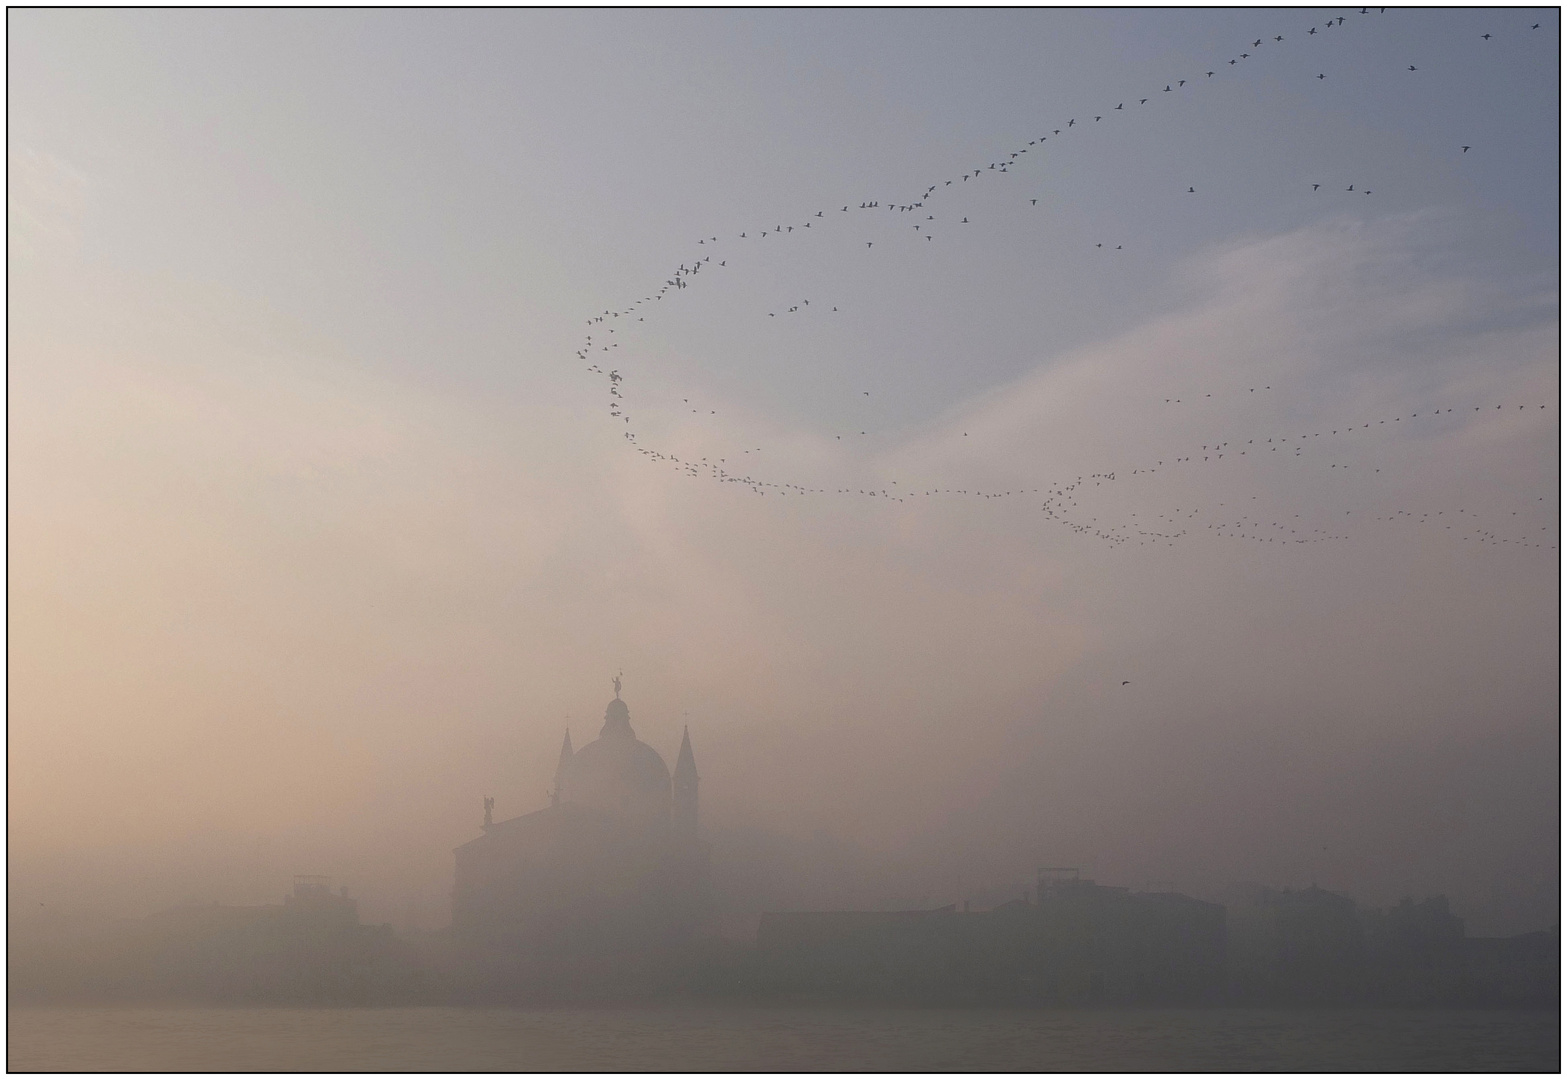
(47, 200)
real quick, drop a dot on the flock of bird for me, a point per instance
(601, 345)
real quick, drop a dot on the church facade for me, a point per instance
(613, 865)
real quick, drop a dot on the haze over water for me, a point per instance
(792, 1039)
(325, 524)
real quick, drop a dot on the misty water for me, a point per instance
(695, 1038)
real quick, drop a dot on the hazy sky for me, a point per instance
(320, 530)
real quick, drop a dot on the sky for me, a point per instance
(325, 523)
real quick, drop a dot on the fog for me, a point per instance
(319, 533)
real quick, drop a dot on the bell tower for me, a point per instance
(561, 769)
(684, 784)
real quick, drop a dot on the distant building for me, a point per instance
(1078, 943)
(310, 949)
(314, 903)
(614, 864)
(1298, 945)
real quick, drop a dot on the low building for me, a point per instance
(310, 949)
(1076, 943)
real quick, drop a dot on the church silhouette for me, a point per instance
(613, 866)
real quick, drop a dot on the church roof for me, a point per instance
(617, 772)
(631, 759)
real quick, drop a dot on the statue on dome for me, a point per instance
(489, 806)
(616, 681)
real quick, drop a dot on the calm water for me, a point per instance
(807, 1039)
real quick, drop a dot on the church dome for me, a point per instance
(618, 774)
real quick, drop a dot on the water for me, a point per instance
(702, 1038)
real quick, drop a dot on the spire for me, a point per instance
(684, 790)
(560, 770)
(685, 768)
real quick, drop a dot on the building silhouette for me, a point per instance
(612, 868)
(1077, 943)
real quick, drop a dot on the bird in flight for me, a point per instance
(1466, 149)
(1314, 187)
(1126, 682)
